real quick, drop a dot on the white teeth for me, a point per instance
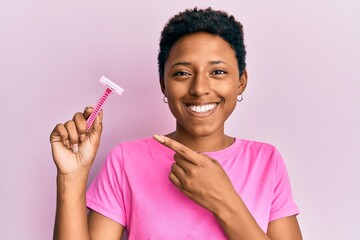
(203, 108)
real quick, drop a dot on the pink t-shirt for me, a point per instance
(133, 189)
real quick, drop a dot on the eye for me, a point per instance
(180, 73)
(218, 72)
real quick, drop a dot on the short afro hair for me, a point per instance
(202, 20)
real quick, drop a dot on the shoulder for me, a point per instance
(126, 148)
(260, 153)
(137, 149)
(257, 147)
(131, 145)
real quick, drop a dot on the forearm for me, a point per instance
(238, 223)
(71, 214)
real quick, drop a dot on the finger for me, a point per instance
(179, 148)
(87, 111)
(178, 171)
(185, 164)
(175, 180)
(60, 134)
(73, 135)
(80, 124)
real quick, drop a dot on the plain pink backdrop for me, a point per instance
(303, 96)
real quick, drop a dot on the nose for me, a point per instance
(200, 85)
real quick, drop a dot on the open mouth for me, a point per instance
(201, 108)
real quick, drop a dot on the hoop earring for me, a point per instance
(165, 99)
(241, 98)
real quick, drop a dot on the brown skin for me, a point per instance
(201, 69)
(72, 220)
(204, 181)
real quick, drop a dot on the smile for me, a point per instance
(202, 108)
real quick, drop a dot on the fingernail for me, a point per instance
(67, 143)
(75, 148)
(159, 138)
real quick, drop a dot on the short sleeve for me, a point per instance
(283, 204)
(105, 194)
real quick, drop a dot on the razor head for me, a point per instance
(111, 85)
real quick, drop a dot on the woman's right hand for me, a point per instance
(73, 148)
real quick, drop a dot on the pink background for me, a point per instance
(303, 96)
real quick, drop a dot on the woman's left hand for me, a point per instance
(199, 177)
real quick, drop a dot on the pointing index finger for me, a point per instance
(179, 148)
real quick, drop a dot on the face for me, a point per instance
(201, 82)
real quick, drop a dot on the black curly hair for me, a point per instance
(202, 20)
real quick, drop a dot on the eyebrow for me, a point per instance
(181, 63)
(213, 62)
(217, 62)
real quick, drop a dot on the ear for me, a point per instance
(162, 85)
(242, 82)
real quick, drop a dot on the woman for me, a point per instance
(194, 183)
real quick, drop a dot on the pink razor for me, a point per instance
(110, 87)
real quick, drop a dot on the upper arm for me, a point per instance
(103, 228)
(284, 228)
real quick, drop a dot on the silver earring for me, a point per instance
(165, 99)
(241, 97)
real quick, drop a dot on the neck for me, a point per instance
(207, 143)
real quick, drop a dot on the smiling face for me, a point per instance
(201, 82)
